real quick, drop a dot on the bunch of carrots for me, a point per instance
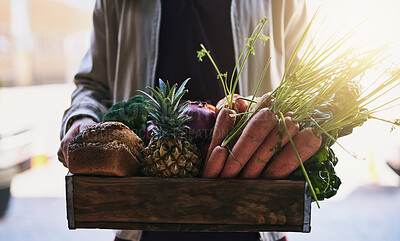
(317, 102)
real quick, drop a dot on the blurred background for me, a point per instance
(41, 45)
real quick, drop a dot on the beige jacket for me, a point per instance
(123, 53)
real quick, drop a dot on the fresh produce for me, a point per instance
(271, 145)
(286, 161)
(323, 93)
(223, 125)
(170, 153)
(215, 163)
(133, 113)
(251, 138)
(265, 101)
(229, 89)
(211, 107)
(321, 171)
(201, 122)
(239, 104)
(233, 139)
(323, 98)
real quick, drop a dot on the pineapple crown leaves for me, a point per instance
(165, 109)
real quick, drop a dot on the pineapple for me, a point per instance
(170, 153)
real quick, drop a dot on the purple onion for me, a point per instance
(201, 122)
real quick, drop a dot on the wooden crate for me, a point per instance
(187, 204)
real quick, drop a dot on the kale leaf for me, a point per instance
(133, 113)
(321, 171)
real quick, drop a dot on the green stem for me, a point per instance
(387, 121)
(248, 100)
(243, 121)
(332, 138)
(216, 68)
(298, 158)
(241, 114)
(249, 47)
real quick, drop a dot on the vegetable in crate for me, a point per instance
(133, 113)
(238, 103)
(201, 122)
(325, 102)
(223, 125)
(170, 153)
(250, 139)
(321, 170)
(276, 139)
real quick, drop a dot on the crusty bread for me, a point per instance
(107, 148)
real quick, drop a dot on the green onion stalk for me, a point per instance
(230, 88)
(323, 91)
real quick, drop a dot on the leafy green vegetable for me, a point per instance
(321, 171)
(132, 113)
(335, 106)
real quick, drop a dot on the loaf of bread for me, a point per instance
(107, 148)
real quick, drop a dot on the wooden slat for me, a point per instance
(69, 184)
(187, 204)
(307, 211)
(190, 227)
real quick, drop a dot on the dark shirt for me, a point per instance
(196, 236)
(185, 24)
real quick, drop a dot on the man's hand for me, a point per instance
(76, 127)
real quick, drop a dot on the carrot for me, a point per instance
(223, 125)
(272, 143)
(216, 162)
(238, 104)
(306, 143)
(251, 138)
(265, 100)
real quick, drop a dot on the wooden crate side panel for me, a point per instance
(307, 211)
(69, 187)
(194, 227)
(188, 201)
